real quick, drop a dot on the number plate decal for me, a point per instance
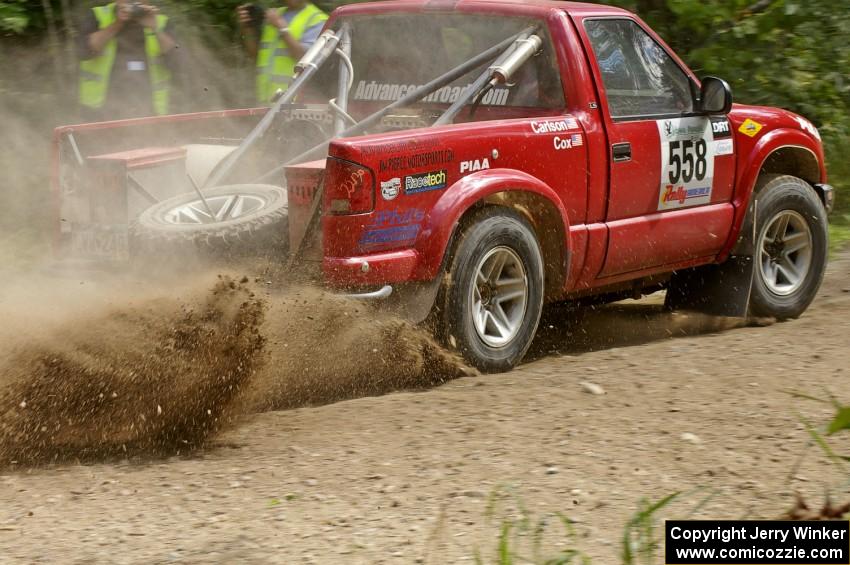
(687, 162)
(107, 243)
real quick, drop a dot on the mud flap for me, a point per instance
(414, 301)
(719, 290)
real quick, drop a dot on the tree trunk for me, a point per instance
(53, 43)
(70, 40)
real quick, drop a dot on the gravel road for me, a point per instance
(630, 403)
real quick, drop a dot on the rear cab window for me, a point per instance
(393, 54)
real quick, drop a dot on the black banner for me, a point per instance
(750, 542)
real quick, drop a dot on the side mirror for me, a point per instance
(715, 96)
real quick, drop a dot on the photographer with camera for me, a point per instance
(278, 38)
(127, 51)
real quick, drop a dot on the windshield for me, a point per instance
(393, 54)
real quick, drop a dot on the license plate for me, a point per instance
(104, 242)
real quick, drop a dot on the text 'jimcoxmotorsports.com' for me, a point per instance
(707, 542)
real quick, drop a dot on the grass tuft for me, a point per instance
(517, 525)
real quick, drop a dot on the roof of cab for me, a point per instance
(530, 7)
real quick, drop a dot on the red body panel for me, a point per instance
(671, 236)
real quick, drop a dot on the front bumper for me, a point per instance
(828, 194)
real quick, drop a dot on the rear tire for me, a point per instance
(493, 296)
(791, 248)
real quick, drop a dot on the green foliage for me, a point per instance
(13, 16)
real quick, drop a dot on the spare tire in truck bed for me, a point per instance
(241, 218)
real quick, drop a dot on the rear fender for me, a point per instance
(749, 170)
(507, 187)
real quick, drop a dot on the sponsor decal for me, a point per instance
(396, 234)
(474, 165)
(554, 126)
(683, 129)
(383, 218)
(424, 182)
(390, 188)
(392, 227)
(723, 147)
(388, 92)
(687, 162)
(807, 126)
(720, 127)
(680, 194)
(750, 128)
(569, 142)
(404, 146)
(417, 160)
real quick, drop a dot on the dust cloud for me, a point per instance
(323, 348)
(124, 369)
(157, 377)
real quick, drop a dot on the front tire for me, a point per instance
(494, 293)
(791, 248)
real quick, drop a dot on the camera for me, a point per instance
(136, 10)
(257, 13)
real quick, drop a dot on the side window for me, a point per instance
(640, 77)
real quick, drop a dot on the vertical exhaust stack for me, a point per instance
(319, 51)
(523, 49)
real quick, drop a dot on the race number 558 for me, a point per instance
(687, 161)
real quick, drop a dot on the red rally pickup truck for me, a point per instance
(473, 160)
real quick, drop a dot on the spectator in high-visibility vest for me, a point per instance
(126, 61)
(285, 34)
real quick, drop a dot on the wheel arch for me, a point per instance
(534, 200)
(794, 160)
(780, 152)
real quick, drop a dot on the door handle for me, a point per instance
(621, 152)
